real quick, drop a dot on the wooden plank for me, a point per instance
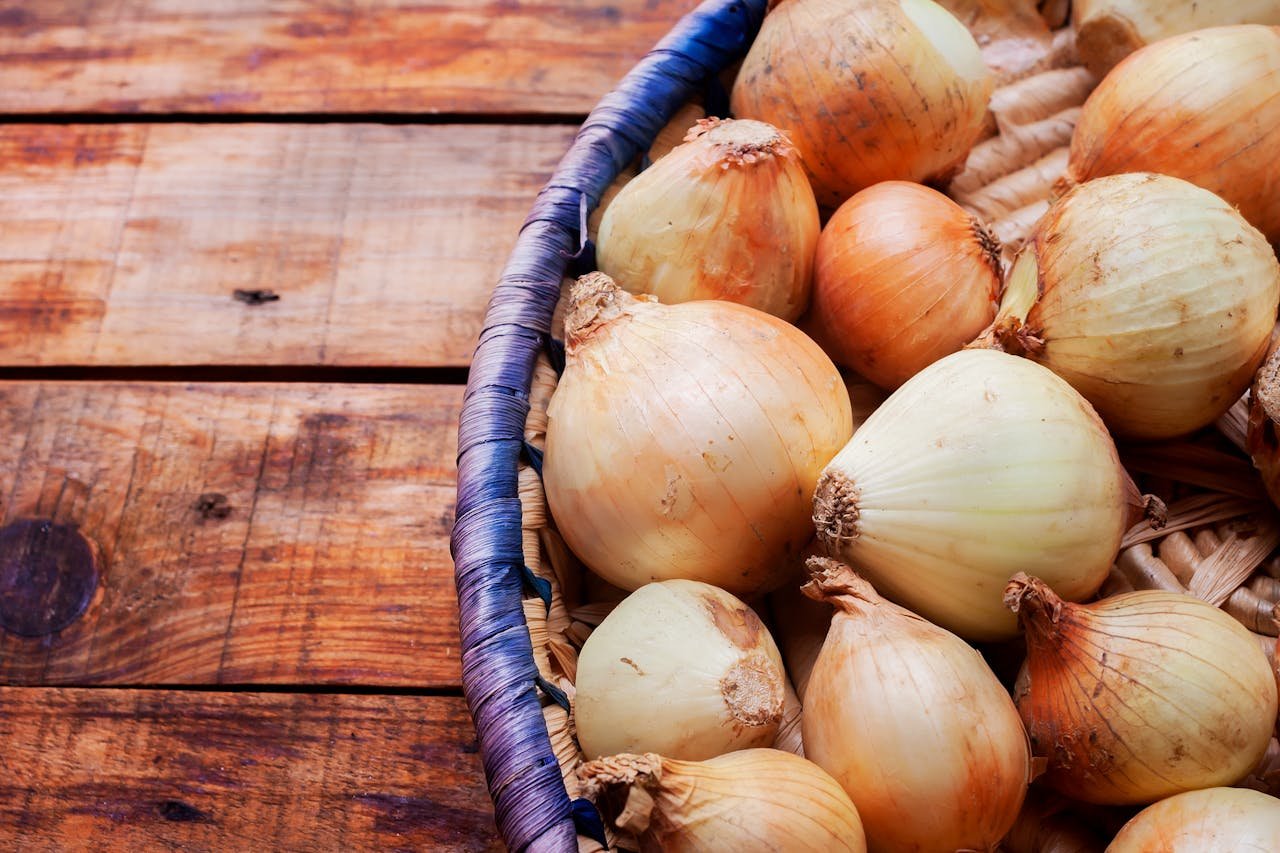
(249, 534)
(124, 770)
(126, 244)
(458, 56)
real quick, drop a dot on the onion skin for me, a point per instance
(1214, 820)
(754, 800)
(727, 215)
(940, 510)
(1140, 696)
(868, 90)
(904, 277)
(1262, 438)
(1200, 106)
(912, 722)
(1152, 297)
(681, 668)
(685, 440)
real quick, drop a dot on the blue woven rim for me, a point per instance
(499, 676)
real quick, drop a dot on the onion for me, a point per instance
(1109, 30)
(1151, 296)
(869, 90)
(1201, 106)
(980, 466)
(912, 722)
(685, 440)
(1140, 696)
(1215, 820)
(727, 215)
(904, 276)
(680, 668)
(753, 800)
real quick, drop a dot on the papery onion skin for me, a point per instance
(754, 800)
(1263, 436)
(980, 466)
(912, 722)
(1213, 820)
(1156, 301)
(904, 276)
(682, 668)
(685, 440)
(1109, 30)
(727, 215)
(868, 90)
(1200, 106)
(1140, 696)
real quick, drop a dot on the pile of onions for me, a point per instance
(1151, 296)
(1214, 820)
(904, 276)
(1200, 106)
(684, 441)
(727, 215)
(680, 668)
(1140, 696)
(981, 466)
(756, 799)
(868, 90)
(912, 722)
(1109, 30)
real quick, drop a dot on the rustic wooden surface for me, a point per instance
(140, 770)
(125, 244)
(236, 56)
(248, 534)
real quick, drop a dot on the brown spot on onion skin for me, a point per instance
(742, 626)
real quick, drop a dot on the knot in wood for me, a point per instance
(47, 577)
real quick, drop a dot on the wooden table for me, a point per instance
(245, 249)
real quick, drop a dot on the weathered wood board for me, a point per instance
(249, 534)
(126, 244)
(140, 770)
(265, 56)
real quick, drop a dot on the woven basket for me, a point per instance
(527, 605)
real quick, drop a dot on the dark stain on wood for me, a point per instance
(179, 812)
(212, 506)
(255, 297)
(47, 577)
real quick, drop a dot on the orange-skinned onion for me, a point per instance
(868, 90)
(904, 277)
(1214, 820)
(911, 721)
(1153, 297)
(1204, 107)
(1141, 695)
(684, 441)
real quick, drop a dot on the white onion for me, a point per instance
(1214, 820)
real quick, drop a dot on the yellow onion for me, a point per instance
(754, 801)
(727, 215)
(1141, 695)
(1214, 820)
(1200, 106)
(681, 668)
(1151, 296)
(980, 466)
(904, 276)
(1109, 30)
(868, 90)
(912, 722)
(685, 440)
(1263, 436)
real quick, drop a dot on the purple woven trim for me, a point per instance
(498, 670)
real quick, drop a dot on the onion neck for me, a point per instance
(595, 300)
(1009, 332)
(1040, 610)
(740, 142)
(837, 584)
(989, 246)
(641, 774)
(835, 509)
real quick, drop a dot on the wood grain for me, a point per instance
(248, 534)
(128, 770)
(457, 56)
(126, 244)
